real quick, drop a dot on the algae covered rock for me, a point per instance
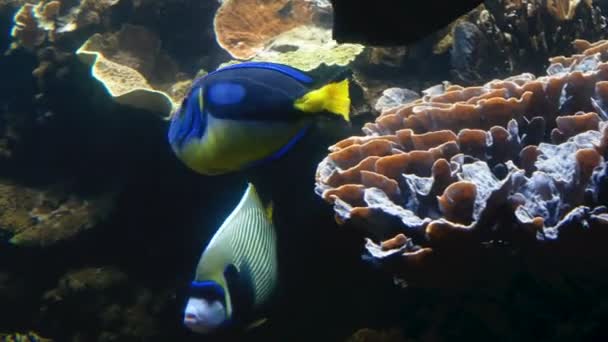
(371, 335)
(106, 299)
(244, 27)
(40, 217)
(84, 280)
(307, 47)
(29, 336)
(297, 33)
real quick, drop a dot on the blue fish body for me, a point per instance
(239, 116)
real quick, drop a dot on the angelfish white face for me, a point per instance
(203, 316)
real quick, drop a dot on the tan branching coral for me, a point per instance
(48, 20)
(472, 165)
(47, 13)
(244, 27)
(84, 14)
(27, 32)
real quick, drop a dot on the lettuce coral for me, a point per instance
(517, 160)
(127, 64)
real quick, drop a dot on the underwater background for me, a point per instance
(101, 226)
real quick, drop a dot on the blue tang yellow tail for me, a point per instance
(245, 114)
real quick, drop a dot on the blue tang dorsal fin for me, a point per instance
(285, 69)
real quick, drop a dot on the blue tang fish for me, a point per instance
(248, 113)
(237, 273)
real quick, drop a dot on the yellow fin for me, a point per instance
(332, 97)
(270, 210)
(256, 323)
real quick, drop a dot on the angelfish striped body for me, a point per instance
(241, 258)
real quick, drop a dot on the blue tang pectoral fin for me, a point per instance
(232, 145)
(283, 150)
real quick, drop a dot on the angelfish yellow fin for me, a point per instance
(256, 323)
(270, 210)
(332, 97)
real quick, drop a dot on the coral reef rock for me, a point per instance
(143, 59)
(370, 335)
(104, 298)
(499, 38)
(307, 47)
(288, 32)
(23, 337)
(244, 27)
(505, 37)
(521, 160)
(34, 217)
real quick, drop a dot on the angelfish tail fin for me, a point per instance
(270, 211)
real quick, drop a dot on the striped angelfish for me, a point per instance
(237, 273)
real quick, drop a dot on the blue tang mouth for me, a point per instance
(187, 123)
